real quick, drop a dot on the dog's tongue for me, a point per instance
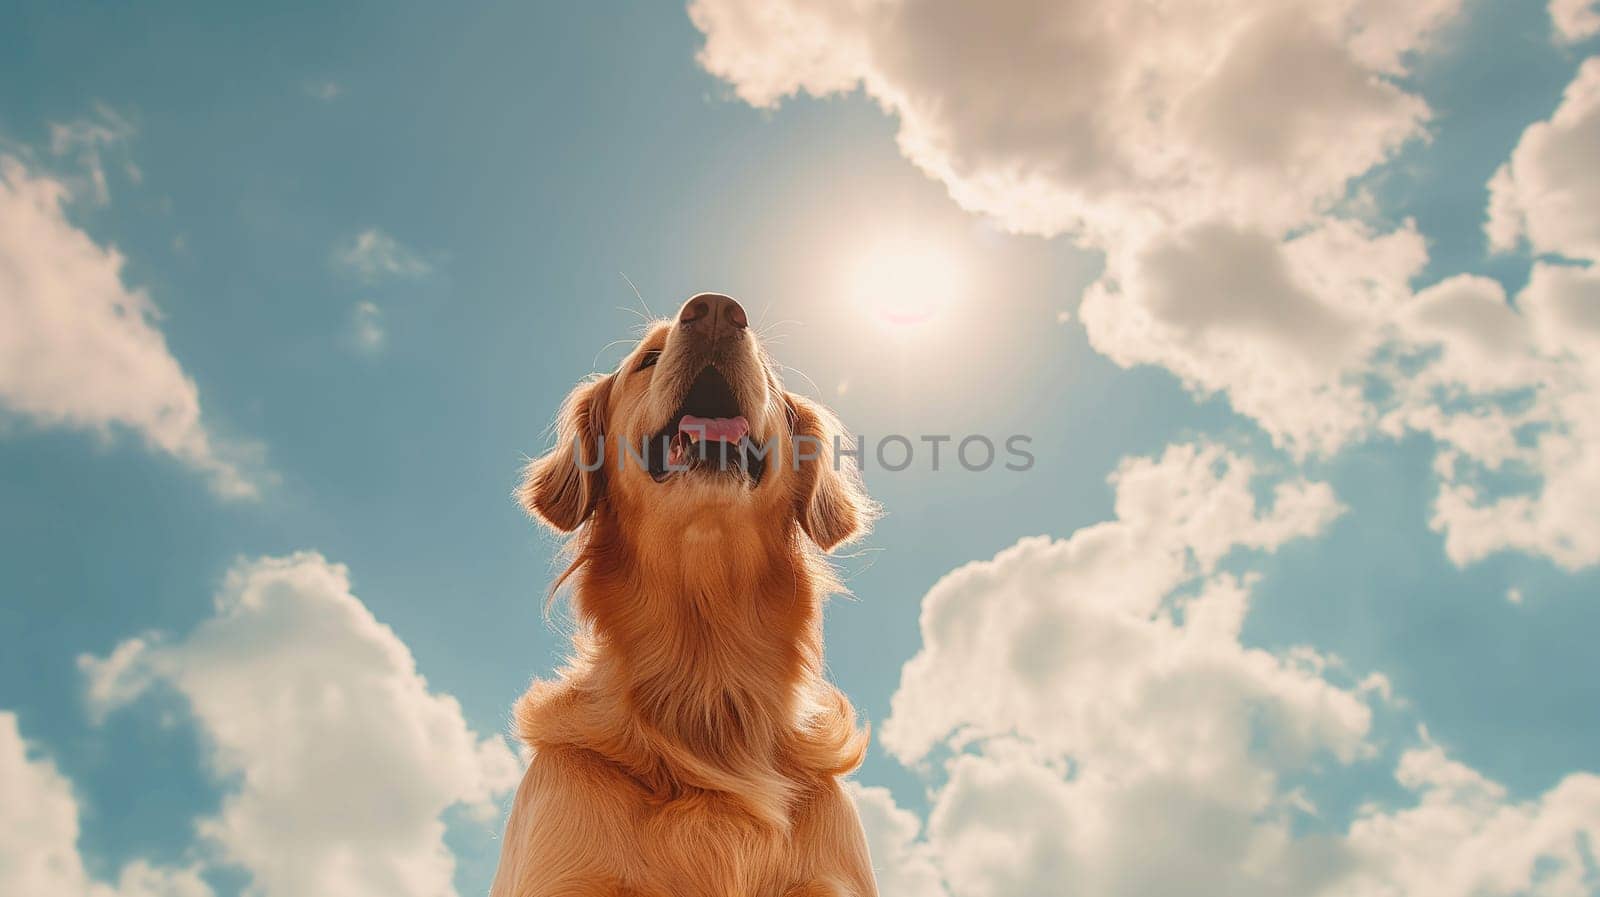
(718, 429)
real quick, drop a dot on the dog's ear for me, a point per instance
(830, 501)
(562, 486)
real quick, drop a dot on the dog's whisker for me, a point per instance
(648, 314)
(807, 377)
(762, 318)
(595, 363)
(766, 330)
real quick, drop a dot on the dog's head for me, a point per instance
(693, 435)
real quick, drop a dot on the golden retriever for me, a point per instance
(692, 747)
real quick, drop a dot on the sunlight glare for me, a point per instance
(907, 284)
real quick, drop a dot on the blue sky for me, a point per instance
(382, 243)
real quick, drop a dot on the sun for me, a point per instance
(908, 284)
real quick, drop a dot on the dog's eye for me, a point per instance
(649, 359)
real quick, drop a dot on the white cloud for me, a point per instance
(1549, 192)
(1006, 825)
(78, 347)
(902, 864)
(39, 836)
(373, 256)
(1109, 734)
(1098, 118)
(1209, 150)
(1085, 640)
(366, 328)
(1512, 392)
(1283, 328)
(1575, 20)
(1320, 339)
(339, 759)
(88, 140)
(1465, 837)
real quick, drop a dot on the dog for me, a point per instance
(692, 746)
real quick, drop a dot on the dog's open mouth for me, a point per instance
(707, 433)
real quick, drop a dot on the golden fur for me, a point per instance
(692, 745)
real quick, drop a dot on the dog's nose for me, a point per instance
(712, 316)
